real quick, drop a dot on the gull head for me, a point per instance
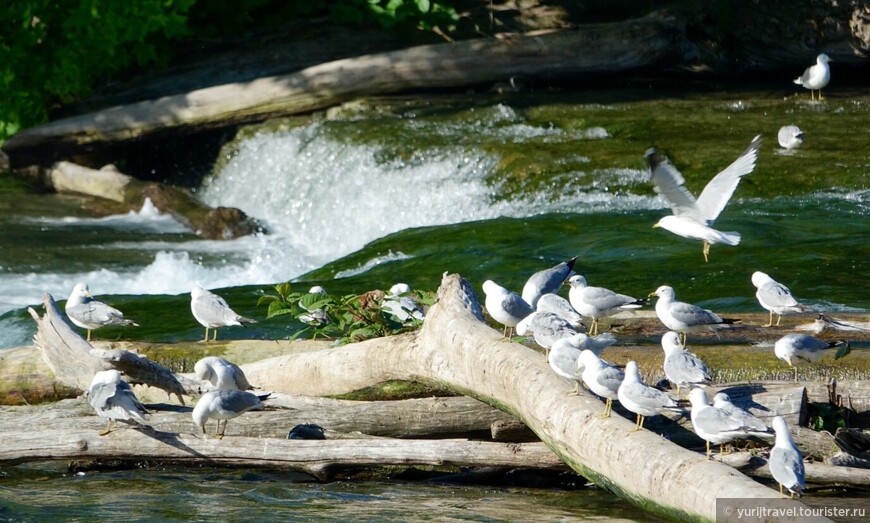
(671, 343)
(587, 360)
(196, 292)
(576, 281)
(671, 223)
(698, 398)
(317, 289)
(81, 291)
(759, 278)
(106, 377)
(823, 59)
(664, 291)
(631, 372)
(653, 158)
(491, 287)
(721, 399)
(399, 289)
(783, 435)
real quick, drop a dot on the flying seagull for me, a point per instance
(694, 218)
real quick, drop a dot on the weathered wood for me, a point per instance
(139, 369)
(843, 459)
(65, 352)
(817, 474)
(511, 430)
(455, 349)
(319, 458)
(607, 47)
(766, 400)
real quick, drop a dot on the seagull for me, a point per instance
(693, 218)
(505, 307)
(403, 307)
(598, 302)
(601, 377)
(790, 137)
(723, 402)
(222, 374)
(224, 405)
(595, 345)
(775, 297)
(682, 368)
(816, 76)
(786, 462)
(641, 399)
(714, 425)
(88, 313)
(683, 317)
(114, 400)
(546, 327)
(546, 281)
(314, 317)
(792, 348)
(212, 311)
(562, 358)
(558, 305)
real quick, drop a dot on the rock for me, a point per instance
(67, 177)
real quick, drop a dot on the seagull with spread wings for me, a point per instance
(693, 218)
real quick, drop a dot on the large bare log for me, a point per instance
(455, 349)
(608, 47)
(816, 473)
(139, 369)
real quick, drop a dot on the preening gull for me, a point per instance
(89, 313)
(723, 402)
(598, 302)
(786, 462)
(401, 305)
(797, 348)
(641, 399)
(816, 76)
(683, 317)
(222, 374)
(546, 327)
(790, 137)
(775, 297)
(693, 218)
(602, 378)
(595, 345)
(505, 307)
(212, 311)
(224, 405)
(314, 316)
(546, 281)
(558, 305)
(114, 400)
(682, 368)
(562, 358)
(714, 425)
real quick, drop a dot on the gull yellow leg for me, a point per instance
(214, 338)
(576, 390)
(608, 405)
(780, 491)
(770, 320)
(89, 335)
(638, 424)
(778, 319)
(708, 451)
(706, 251)
(206, 334)
(108, 428)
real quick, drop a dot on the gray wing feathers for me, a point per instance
(685, 367)
(238, 401)
(776, 295)
(669, 183)
(692, 315)
(718, 191)
(610, 378)
(786, 466)
(98, 395)
(239, 377)
(516, 306)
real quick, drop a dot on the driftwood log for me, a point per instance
(455, 349)
(608, 47)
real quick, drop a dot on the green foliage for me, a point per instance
(348, 318)
(53, 51)
(826, 417)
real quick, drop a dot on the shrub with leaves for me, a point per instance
(349, 318)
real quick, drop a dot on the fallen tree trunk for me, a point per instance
(817, 474)
(455, 349)
(607, 47)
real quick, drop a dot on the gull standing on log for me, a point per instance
(505, 307)
(212, 311)
(641, 399)
(598, 302)
(682, 368)
(114, 400)
(88, 313)
(558, 305)
(714, 425)
(222, 374)
(546, 281)
(794, 348)
(775, 297)
(684, 317)
(786, 462)
(602, 378)
(816, 76)
(722, 402)
(562, 358)
(691, 218)
(546, 327)
(224, 405)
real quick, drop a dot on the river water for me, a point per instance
(487, 186)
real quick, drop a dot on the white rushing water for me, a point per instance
(321, 198)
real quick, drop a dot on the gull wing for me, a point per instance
(718, 191)
(668, 182)
(776, 294)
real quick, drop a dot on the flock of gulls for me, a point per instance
(556, 324)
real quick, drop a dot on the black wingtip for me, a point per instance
(570, 263)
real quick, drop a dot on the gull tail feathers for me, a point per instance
(728, 238)
(843, 350)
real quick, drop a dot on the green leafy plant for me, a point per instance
(349, 318)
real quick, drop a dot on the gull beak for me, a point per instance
(650, 295)
(656, 226)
